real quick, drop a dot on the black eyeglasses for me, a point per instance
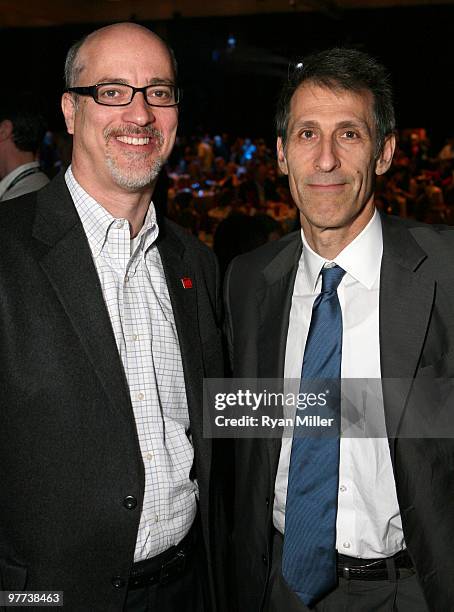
(118, 94)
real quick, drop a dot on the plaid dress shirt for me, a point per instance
(137, 299)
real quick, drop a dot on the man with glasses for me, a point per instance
(327, 522)
(109, 321)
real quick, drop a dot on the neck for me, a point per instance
(121, 204)
(13, 160)
(328, 242)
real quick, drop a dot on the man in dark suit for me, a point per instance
(350, 524)
(109, 321)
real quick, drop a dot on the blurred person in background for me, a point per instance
(22, 129)
(447, 152)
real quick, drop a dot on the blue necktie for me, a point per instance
(309, 555)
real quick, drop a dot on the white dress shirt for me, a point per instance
(23, 179)
(368, 519)
(137, 299)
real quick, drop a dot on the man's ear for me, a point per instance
(386, 156)
(6, 129)
(68, 106)
(281, 159)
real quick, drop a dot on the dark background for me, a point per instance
(234, 89)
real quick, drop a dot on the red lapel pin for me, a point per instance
(186, 282)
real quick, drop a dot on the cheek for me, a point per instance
(82, 126)
(89, 136)
(170, 127)
(294, 182)
(298, 169)
(366, 177)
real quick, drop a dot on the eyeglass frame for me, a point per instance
(91, 90)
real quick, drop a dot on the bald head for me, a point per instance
(120, 147)
(76, 58)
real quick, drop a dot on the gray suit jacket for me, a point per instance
(416, 339)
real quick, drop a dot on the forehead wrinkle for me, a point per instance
(113, 79)
(318, 92)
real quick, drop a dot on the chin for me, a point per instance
(132, 184)
(132, 180)
(323, 214)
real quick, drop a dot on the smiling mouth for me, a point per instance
(132, 140)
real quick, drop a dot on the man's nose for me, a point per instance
(138, 111)
(327, 158)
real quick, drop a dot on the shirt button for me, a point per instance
(156, 518)
(342, 488)
(346, 544)
(149, 456)
(135, 337)
(119, 224)
(140, 396)
(126, 279)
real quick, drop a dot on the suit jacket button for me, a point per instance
(130, 502)
(265, 559)
(267, 502)
(118, 582)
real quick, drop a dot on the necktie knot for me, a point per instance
(331, 278)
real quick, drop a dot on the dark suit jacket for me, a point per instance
(416, 339)
(69, 452)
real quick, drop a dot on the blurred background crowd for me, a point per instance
(228, 190)
(222, 182)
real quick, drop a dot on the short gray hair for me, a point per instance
(73, 68)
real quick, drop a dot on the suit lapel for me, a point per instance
(177, 266)
(406, 299)
(275, 300)
(67, 262)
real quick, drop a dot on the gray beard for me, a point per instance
(129, 179)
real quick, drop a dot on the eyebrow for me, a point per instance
(120, 81)
(358, 123)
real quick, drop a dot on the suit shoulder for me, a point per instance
(417, 228)
(431, 236)
(16, 216)
(435, 244)
(188, 240)
(202, 258)
(444, 233)
(18, 207)
(259, 258)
